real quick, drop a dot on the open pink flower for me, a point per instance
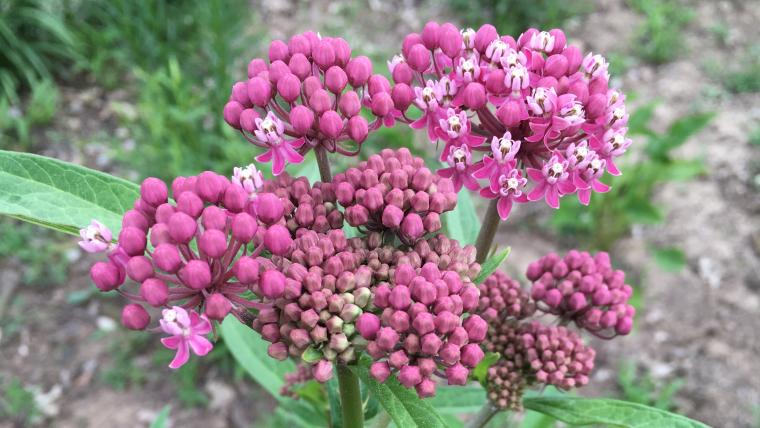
(460, 169)
(503, 153)
(454, 129)
(187, 332)
(587, 179)
(552, 181)
(428, 99)
(612, 144)
(270, 130)
(249, 178)
(508, 188)
(96, 237)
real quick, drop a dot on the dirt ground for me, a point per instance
(700, 324)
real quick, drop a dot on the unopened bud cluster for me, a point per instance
(309, 94)
(395, 191)
(534, 353)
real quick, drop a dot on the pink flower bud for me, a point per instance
(424, 323)
(235, 198)
(577, 302)
(412, 226)
(469, 297)
(430, 35)
(450, 353)
(278, 50)
(474, 96)
(358, 128)
(155, 292)
(432, 222)
(357, 215)
(380, 371)
(323, 54)
(476, 328)
(349, 104)
(232, 111)
(574, 58)
(240, 93)
(596, 106)
(512, 112)
(259, 91)
(154, 191)
(210, 186)
(471, 355)
(430, 344)
(246, 270)
(392, 216)
(302, 118)
(269, 208)
(133, 241)
(289, 87)
(484, 36)
(382, 104)
(402, 96)
(378, 83)
(402, 73)
(167, 258)
(624, 325)
(387, 338)
(609, 319)
(278, 351)
(358, 70)
(409, 376)
(196, 274)
(335, 79)
(398, 359)
(139, 268)
(134, 317)
(446, 322)
(400, 297)
(556, 66)
(495, 81)
(553, 298)
(457, 374)
(299, 45)
(450, 40)
(272, 284)
(330, 124)
(342, 51)
(310, 85)
(213, 243)
(190, 204)
(419, 58)
(256, 66)
(368, 325)
(182, 227)
(277, 239)
(300, 66)
(106, 276)
(404, 274)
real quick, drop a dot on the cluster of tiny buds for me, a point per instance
(394, 191)
(545, 113)
(199, 250)
(420, 331)
(315, 301)
(308, 95)
(307, 207)
(584, 289)
(502, 297)
(302, 374)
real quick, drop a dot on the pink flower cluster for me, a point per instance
(197, 252)
(583, 289)
(308, 95)
(424, 326)
(502, 297)
(535, 108)
(395, 191)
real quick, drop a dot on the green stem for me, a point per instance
(323, 164)
(487, 231)
(484, 415)
(350, 398)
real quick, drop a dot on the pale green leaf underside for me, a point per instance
(60, 195)
(462, 224)
(606, 412)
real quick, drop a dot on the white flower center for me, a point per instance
(596, 164)
(170, 315)
(557, 169)
(454, 123)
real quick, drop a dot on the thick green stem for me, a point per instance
(350, 398)
(484, 415)
(487, 231)
(323, 164)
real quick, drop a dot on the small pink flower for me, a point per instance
(187, 333)
(249, 178)
(613, 144)
(543, 101)
(578, 155)
(508, 188)
(496, 50)
(468, 70)
(396, 60)
(595, 66)
(448, 90)
(460, 169)
(587, 179)
(503, 153)
(552, 181)
(513, 58)
(270, 131)
(96, 237)
(517, 78)
(542, 41)
(454, 129)
(468, 39)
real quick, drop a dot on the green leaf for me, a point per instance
(491, 264)
(481, 370)
(588, 411)
(250, 351)
(457, 400)
(683, 170)
(333, 396)
(642, 211)
(670, 259)
(402, 404)
(60, 195)
(462, 223)
(162, 418)
(638, 122)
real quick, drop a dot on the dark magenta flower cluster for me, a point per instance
(394, 191)
(423, 323)
(535, 108)
(502, 297)
(584, 289)
(308, 95)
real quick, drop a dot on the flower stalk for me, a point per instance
(350, 398)
(324, 165)
(487, 231)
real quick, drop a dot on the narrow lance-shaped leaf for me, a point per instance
(462, 224)
(60, 195)
(491, 264)
(606, 412)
